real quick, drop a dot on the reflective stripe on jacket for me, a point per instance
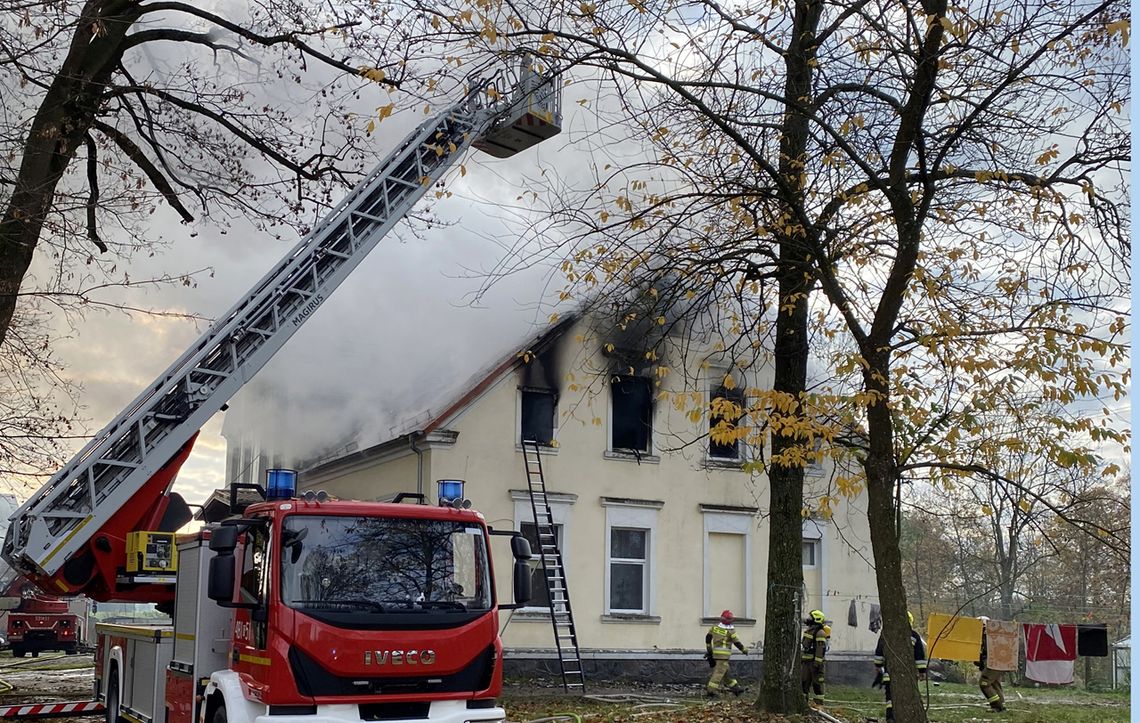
(723, 638)
(814, 642)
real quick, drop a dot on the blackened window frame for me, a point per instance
(618, 383)
(533, 392)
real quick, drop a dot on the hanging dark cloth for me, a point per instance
(1092, 640)
(852, 615)
(876, 619)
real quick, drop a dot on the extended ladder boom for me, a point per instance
(69, 536)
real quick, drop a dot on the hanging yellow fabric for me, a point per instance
(954, 638)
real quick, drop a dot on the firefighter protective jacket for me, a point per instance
(814, 641)
(720, 639)
(919, 655)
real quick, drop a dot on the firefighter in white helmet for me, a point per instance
(990, 681)
(719, 642)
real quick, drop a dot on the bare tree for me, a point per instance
(114, 110)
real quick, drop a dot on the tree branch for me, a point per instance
(159, 181)
(293, 38)
(93, 195)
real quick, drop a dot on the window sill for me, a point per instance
(724, 463)
(543, 449)
(631, 618)
(738, 622)
(631, 457)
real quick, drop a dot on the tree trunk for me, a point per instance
(780, 690)
(881, 476)
(58, 129)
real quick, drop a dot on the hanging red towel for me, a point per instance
(1050, 650)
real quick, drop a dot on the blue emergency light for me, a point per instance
(450, 492)
(280, 484)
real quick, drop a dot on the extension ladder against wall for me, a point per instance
(554, 573)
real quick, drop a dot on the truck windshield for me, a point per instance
(383, 565)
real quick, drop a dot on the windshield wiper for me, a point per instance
(366, 605)
(442, 605)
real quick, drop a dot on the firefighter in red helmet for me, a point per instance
(813, 648)
(718, 649)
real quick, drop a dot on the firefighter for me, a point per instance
(883, 675)
(814, 641)
(718, 649)
(990, 682)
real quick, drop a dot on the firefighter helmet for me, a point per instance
(727, 616)
(817, 616)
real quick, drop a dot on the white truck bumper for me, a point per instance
(442, 711)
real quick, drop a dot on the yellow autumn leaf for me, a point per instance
(987, 510)
(370, 127)
(1123, 27)
(386, 110)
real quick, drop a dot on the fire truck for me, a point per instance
(41, 622)
(295, 610)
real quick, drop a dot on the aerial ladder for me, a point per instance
(72, 536)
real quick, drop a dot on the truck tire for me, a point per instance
(18, 651)
(111, 715)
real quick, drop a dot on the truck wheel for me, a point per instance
(35, 653)
(18, 652)
(112, 703)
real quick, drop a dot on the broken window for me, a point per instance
(538, 408)
(722, 449)
(632, 412)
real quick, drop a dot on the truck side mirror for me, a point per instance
(224, 539)
(520, 547)
(522, 580)
(220, 586)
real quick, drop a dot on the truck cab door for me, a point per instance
(251, 624)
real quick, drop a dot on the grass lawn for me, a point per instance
(948, 703)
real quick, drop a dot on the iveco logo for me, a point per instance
(399, 657)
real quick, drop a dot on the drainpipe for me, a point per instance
(419, 462)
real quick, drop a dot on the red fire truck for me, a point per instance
(42, 622)
(292, 610)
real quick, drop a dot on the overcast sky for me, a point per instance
(401, 325)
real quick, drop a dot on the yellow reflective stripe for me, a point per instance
(255, 659)
(66, 539)
(184, 636)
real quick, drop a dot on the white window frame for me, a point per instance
(561, 505)
(813, 533)
(543, 449)
(715, 377)
(815, 468)
(815, 545)
(731, 522)
(624, 452)
(633, 514)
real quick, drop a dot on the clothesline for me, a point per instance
(956, 603)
